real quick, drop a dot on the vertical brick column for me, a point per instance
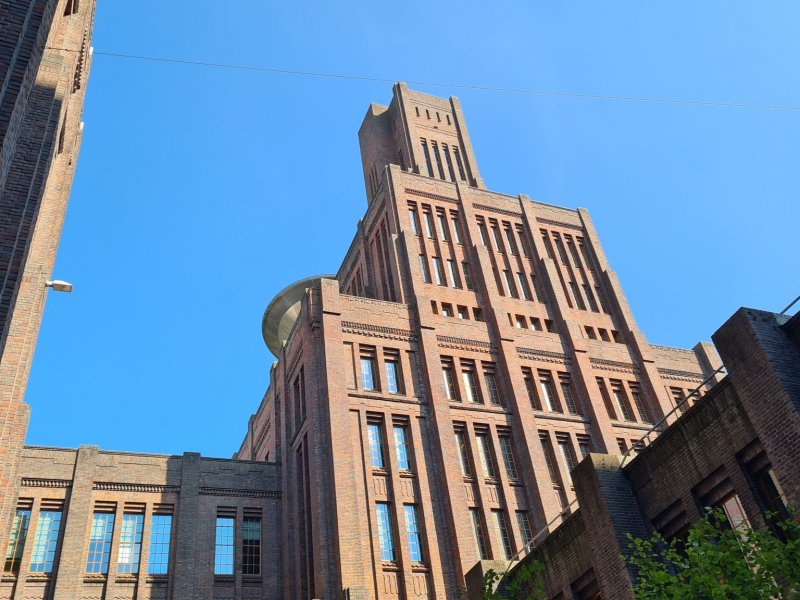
(194, 570)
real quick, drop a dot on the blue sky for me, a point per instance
(201, 192)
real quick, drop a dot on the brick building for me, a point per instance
(427, 407)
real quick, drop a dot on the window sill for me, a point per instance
(224, 578)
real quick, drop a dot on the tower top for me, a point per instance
(422, 134)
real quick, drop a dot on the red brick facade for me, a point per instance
(470, 328)
(44, 64)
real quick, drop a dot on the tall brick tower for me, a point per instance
(44, 62)
(430, 401)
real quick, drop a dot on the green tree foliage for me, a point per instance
(525, 584)
(716, 562)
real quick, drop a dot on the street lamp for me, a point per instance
(59, 286)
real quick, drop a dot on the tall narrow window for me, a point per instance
(160, 534)
(458, 164)
(423, 267)
(412, 533)
(471, 390)
(16, 541)
(636, 394)
(438, 271)
(585, 445)
(456, 229)
(511, 289)
(576, 294)
(523, 286)
(45, 541)
(621, 401)
(449, 161)
(508, 456)
(498, 242)
(463, 453)
(444, 233)
(100, 543)
(566, 393)
(438, 159)
(503, 537)
(427, 156)
(546, 385)
(385, 538)
(401, 447)
(452, 270)
(485, 455)
(561, 253)
(484, 235)
(251, 546)
(523, 242)
(477, 530)
(414, 220)
(467, 276)
(587, 291)
(530, 388)
(392, 380)
(368, 373)
(566, 455)
(223, 546)
(428, 219)
(547, 452)
(130, 543)
(491, 384)
(449, 381)
(512, 243)
(524, 524)
(375, 445)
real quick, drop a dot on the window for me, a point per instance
(511, 289)
(447, 309)
(503, 536)
(622, 445)
(223, 546)
(566, 455)
(100, 542)
(463, 453)
(426, 215)
(414, 220)
(423, 267)
(561, 253)
(547, 451)
(412, 532)
(529, 387)
(72, 7)
(458, 163)
(401, 447)
(160, 532)
(45, 541)
(508, 456)
(524, 524)
(771, 497)
(385, 541)
(585, 445)
(576, 262)
(636, 394)
(438, 159)
(444, 234)
(622, 402)
(130, 543)
(471, 390)
(484, 234)
(520, 322)
(600, 297)
(447, 158)
(450, 391)
(251, 546)
(463, 313)
(512, 243)
(523, 286)
(498, 241)
(491, 384)
(576, 294)
(485, 455)
(375, 445)
(367, 373)
(453, 271)
(467, 276)
(438, 271)
(16, 541)
(587, 290)
(456, 228)
(427, 156)
(477, 529)
(392, 381)
(537, 323)
(546, 385)
(566, 392)
(735, 513)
